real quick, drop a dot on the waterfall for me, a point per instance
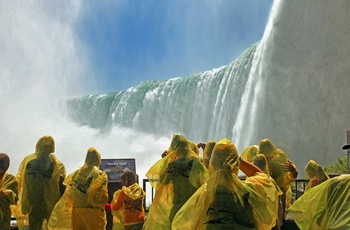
(201, 106)
(292, 87)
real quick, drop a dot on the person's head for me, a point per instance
(261, 162)
(128, 178)
(46, 145)
(93, 157)
(180, 145)
(4, 164)
(312, 169)
(38, 144)
(267, 148)
(224, 156)
(249, 153)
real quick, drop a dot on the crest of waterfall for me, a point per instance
(202, 106)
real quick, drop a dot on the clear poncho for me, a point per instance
(325, 206)
(86, 193)
(175, 178)
(226, 202)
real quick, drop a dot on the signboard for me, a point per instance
(115, 168)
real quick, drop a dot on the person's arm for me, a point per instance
(120, 201)
(201, 145)
(248, 168)
(108, 206)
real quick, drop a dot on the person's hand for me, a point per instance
(5, 192)
(201, 145)
(232, 163)
(108, 206)
(165, 153)
(289, 167)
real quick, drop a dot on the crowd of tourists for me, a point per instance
(193, 190)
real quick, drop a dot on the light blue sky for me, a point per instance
(127, 42)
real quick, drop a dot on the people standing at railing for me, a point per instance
(8, 192)
(315, 174)
(175, 177)
(282, 170)
(128, 201)
(82, 205)
(227, 202)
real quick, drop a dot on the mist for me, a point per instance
(42, 63)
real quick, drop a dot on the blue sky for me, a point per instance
(130, 41)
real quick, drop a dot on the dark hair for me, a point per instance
(4, 163)
(129, 178)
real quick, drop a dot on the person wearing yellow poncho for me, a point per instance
(8, 192)
(260, 161)
(41, 181)
(225, 201)
(282, 170)
(175, 178)
(325, 206)
(315, 174)
(250, 154)
(22, 219)
(129, 201)
(82, 204)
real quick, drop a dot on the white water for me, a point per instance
(41, 64)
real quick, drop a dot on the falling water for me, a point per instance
(292, 87)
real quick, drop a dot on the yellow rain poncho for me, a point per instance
(22, 219)
(8, 192)
(82, 205)
(325, 206)
(40, 184)
(226, 202)
(175, 177)
(315, 173)
(277, 159)
(261, 162)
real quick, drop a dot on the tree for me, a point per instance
(341, 166)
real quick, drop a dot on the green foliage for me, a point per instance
(341, 166)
